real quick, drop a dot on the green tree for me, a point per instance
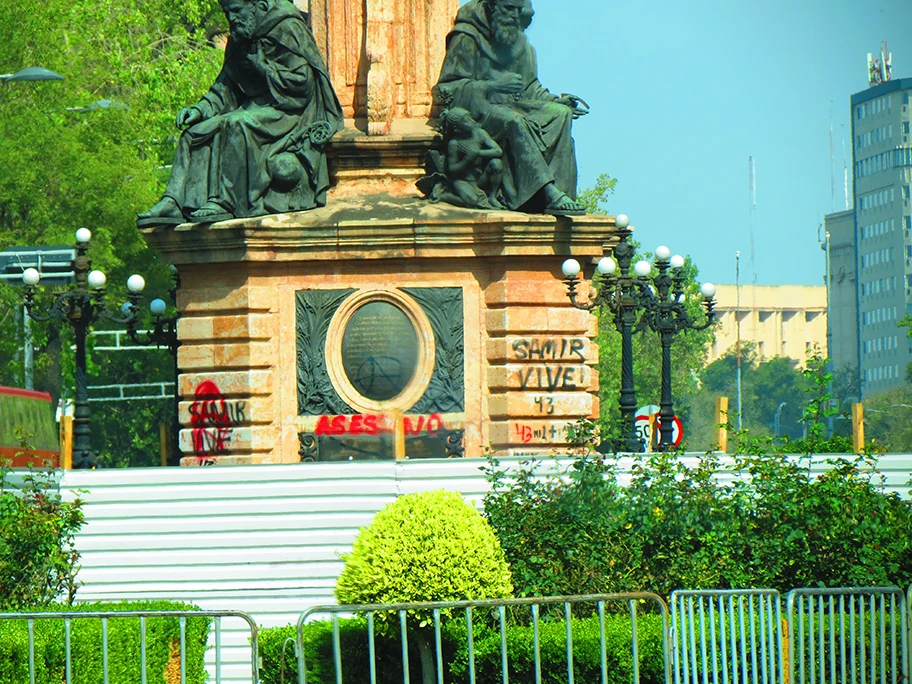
(92, 151)
(768, 387)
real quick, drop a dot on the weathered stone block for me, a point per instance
(232, 384)
(558, 377)
(528, 405)
(538, 320)
(542, 348)
(206, 411)
(225, 356)
(239, 327)
(530, 432)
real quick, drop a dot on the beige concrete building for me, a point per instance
(782, 320)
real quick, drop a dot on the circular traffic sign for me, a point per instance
(647, 416)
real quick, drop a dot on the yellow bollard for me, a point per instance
(858, 436)
(722, 420)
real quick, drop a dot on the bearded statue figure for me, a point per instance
(490, 70)
(254, 144)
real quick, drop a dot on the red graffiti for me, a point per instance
(431, 426)
(349, 425)
(373, 424)
(211, 418)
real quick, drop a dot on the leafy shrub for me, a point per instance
(559, 532)
(430, 546)
(38, 559)
(162, 641)
(486, 640)
(764, 521)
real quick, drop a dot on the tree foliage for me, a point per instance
(93, 150)
(768, 387)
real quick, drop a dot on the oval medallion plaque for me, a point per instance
(379, 350)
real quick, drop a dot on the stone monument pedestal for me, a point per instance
(381, 326)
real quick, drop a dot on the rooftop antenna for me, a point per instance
(832, 165)
(738, 333)
(879, 70)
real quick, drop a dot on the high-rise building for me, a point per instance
(882, 237)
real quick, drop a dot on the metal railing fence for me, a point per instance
(848, 635)
(491, 640)
(108, 626)
(726, 635)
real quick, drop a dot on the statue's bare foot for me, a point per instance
(564, 206)
(558, 203)
(164, 213)
(210, 212)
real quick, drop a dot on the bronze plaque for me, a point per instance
(379, 350)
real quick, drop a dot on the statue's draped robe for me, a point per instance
(532, 128)
(249, 117)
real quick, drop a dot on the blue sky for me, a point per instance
(683, 93)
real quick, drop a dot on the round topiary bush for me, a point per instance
(430, 546)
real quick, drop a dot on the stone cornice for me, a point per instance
(383, 227)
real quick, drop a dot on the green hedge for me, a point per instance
(761, 521)
(486, 638)
(162, 638)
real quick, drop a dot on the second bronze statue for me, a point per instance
(490, 73)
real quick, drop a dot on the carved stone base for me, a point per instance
(523, 369)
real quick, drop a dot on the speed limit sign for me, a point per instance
(646, 419)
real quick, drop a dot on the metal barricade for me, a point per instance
(492, 640)
(62, 632)
(854, 634)
(728, 636)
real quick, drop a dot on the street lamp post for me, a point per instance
(666, 313)
(776, 418)
(80, 307)
(623, 295)
(163, 334)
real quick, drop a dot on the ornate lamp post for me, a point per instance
(163, 334)
(666, 313)
(623, 294)
(80, 307)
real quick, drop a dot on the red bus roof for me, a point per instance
(30, 394)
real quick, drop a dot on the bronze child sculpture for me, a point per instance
(471, 173)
